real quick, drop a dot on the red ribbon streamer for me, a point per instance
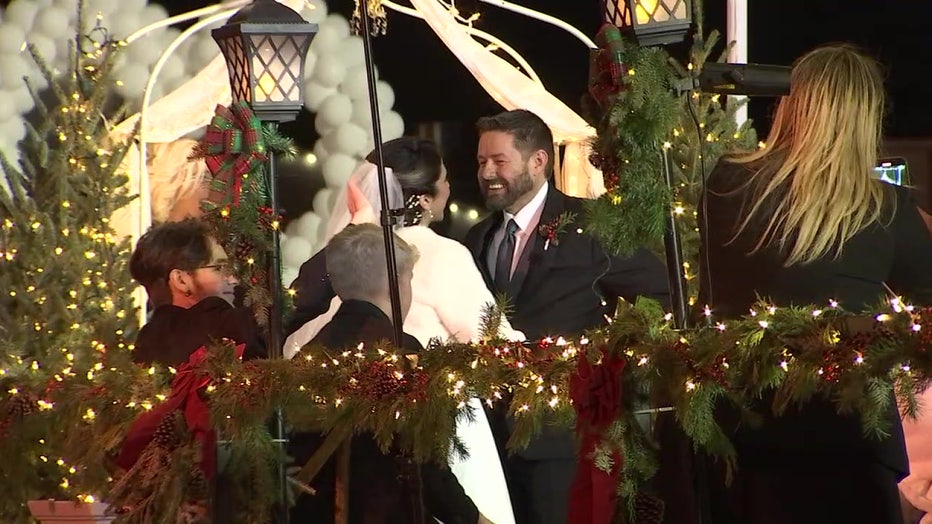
(596, 393)
(184, 396)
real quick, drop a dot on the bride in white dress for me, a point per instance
(449, 292)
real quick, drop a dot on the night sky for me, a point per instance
(432, 87)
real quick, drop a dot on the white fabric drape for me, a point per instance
(514, 90)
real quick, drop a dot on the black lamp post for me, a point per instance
(265, 45)
(650, 22)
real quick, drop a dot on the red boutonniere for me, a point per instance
(551, 230)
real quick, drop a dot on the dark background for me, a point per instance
(434, 91)
(431, 86)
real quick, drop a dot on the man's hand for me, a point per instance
(484, 520)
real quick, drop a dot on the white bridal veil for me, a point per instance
(366, 180)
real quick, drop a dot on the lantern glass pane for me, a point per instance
(614, 12)
(679, 12)
(645, 10)
(237, 67)
(277, 67)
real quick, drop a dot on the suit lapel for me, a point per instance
(479, 245)
(535, 261)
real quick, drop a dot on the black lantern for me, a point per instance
(650, 22)
(265, 45)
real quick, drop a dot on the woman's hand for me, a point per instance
(359, 206)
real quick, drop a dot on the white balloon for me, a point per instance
(306, 226)
(321, 151)
(12, 37)
(322, 204)
(53, 21)
(386, 96)
(315, 11)
(7, 110)
(44, 45)
(315, 94)
(362, 114)
(329, 70)
(172, 68)
(124, 24)
(349, 139)
(152, 13)
(333, 30)
(36, 77)
(134, 77)
(22, 99)
(143, 52)
(295, 251)
(351, 51)
(393, 126)
(22, 13)
(12, 70)
(310, 62)
(13, 130)
(336, 110)
(337, 170)
(356, 83)
(102, 6)
(289, 275)
(200, 54)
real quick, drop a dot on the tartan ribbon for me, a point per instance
(607, 69)
(232, 147)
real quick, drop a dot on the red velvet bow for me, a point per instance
(596, 393)
(184, 396)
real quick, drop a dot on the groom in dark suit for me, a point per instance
(560, 281)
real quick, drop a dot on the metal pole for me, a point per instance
(387, 219)
(674, 252)
(276, 336)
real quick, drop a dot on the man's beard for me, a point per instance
(509, 194)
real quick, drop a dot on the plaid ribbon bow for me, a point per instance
(232, 147)
(607, 69)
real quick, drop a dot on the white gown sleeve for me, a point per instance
(460, 295)
(308, 331)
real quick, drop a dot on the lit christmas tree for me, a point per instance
(67, 317)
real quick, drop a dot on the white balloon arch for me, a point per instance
(335, 76)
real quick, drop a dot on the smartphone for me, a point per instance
(893, 170)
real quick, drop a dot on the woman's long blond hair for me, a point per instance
(172, 176)
(814, 178)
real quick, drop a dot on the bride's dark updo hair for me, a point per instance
(416, 163)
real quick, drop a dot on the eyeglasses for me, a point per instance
(225, 268)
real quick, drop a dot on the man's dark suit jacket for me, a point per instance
(173, 333)
(376, 494)
(560, 290)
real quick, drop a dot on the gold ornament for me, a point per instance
(377, 20)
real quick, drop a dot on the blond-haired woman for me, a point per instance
(804, 221)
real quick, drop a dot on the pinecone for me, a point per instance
(166, 434)
(648, 509)
(198, 487)
(242, 250)
(379, 381)
(20, 406)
